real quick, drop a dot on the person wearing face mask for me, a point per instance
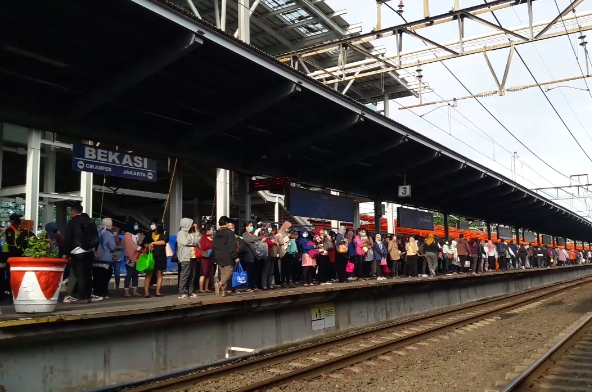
(368, 264)
(156, 242)
(226, 254)
(358, 246)
(206, 264)
(131, 252)
(412, 253)
(275, 255)
(267, 268)
(250, 263)
(323, 259)
(380, 252)
(308, 263)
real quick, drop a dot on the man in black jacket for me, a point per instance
(225, 252)
(80, 259)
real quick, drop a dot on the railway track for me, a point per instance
(565, 367)
(351, 348)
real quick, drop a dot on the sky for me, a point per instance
(469, 129)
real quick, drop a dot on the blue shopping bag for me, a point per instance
(239, 277)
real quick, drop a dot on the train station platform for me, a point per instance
(127, 339)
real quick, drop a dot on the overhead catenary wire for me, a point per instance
(486, 109)
(546, 97)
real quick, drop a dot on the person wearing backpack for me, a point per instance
(531, 259)
(80, 240)
(501, 253)
(286, 260)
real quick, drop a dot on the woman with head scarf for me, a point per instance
(431, 250)
(394, 255)
(102, 264)
(412, 251)
(380, 253)
(455, 260)
(131, 251)
(491, 255)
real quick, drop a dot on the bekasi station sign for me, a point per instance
(112, 163)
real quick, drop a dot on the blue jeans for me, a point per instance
(117, 272)
(131, 275)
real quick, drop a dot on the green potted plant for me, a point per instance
(35, 278)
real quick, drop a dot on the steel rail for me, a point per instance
(354, 357)
(523, 380)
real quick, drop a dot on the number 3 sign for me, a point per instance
(405, 191)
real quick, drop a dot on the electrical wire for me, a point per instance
(486, 109)
(552, 77)
(546, 97)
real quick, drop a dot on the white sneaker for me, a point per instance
(184, 296)
(424, 276)
(328, 283)
(69, 299)
(96, 298)
(193, 295)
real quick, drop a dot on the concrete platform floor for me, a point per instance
(118, 305)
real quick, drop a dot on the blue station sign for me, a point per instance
(112, 163)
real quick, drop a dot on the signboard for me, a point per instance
(112, 163)
(504, 233)
(547, 239)
(270, 184)
(529, 236)
(322, 316)
(405, 191)
(415, 219)
(302, 202)
(463, 225)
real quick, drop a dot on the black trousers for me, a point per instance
(288, 262)
(358, 265)
(463, 259)
(341, 260)
(412, 265)
(276, 271)
(491, 262)
(307, 274)
(100, 281)
(503, 263)
(394, 266)
(81, 268)
(251, 274)
(324, 265)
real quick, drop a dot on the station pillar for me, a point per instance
(276, 210)
(335, 224)
(33, 168)
(176, 203)
(222, 193)
(489, 231)
(390, 217)
(356, 216)
(446, 228)
(377, 216)
(387, 112)
(517, 230)
(86, 191)
(244, 195)
(1, 150)
(49, 173)
(61, 216)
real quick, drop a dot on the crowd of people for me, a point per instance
(271, 256)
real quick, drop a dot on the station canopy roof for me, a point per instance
(148, 75)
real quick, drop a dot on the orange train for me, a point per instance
(438, 231)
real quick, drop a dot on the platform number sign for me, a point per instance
(405, 191)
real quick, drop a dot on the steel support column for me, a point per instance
(1, 150)
(244, 24)
(49, 173)
(390, 217)
(335, 224)
(517, 232)
(86, 191)
(488, 231)
(356, 216)
(244, 192)
(222, 193)
(276, 210)
(61, 216)
(446, 228)
(377, 215)
(33, 169)
(176, 203)
(387, 112)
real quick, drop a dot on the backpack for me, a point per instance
(530, 251)
(501, 249)
(261, 250)
(292, 247)
(89, 235)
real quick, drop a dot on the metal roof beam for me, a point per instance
(239, 111)
(434, 43)
(570, 7)
(443, 171)
(492, 25)
(109, 89)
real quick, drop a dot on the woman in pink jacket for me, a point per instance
(359, 258)
(131, 250)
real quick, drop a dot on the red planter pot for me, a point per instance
(35, 283)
